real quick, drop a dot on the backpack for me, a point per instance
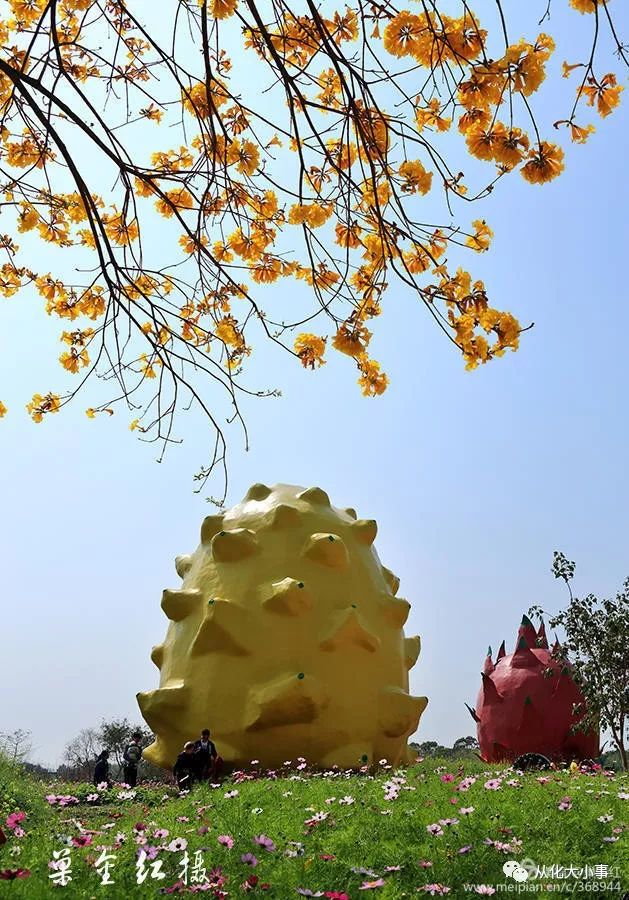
(133, 754)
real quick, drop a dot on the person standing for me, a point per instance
(101, 769)
(207, 759)
(131, 758)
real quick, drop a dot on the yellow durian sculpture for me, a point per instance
(285, 639)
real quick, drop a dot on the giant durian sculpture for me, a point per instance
(285, 639)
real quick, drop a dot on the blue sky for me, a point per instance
(474, 478)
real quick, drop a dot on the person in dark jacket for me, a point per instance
(206, 756)
(185, 767)
(131, 758)
(101, 769)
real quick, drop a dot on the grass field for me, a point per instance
(428, 830)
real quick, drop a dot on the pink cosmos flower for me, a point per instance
(466, 810)
(14, 819)
(226, 840)
(435, 890)
(369, 885)
(435, 830)
(249, 859)
(424, 864)
(465, 849)
(263, 841)
(82, 840)
(10, 874)
(493, 784)
(566, 803)
(447, 777)
(485, 889)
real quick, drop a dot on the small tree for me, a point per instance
(597, 643)
(81, 752)
(15, 745)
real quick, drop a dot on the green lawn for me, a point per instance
(335, 835)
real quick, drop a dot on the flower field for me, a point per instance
(430, 829)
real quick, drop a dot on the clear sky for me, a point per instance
(474, 478)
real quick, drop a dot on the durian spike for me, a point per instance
(489, 667)
(472, 712)
(501, 651)
(314, 495)
(365, 531)
(258, 491)
(183, 564)
(234, 545)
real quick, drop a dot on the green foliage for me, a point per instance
(463, 748)
(18, 792)
(597, 644)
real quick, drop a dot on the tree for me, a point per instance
(464, 745)
(597, 645)
(307, 160)
(80, 753)
(116, 734)
(16, 745)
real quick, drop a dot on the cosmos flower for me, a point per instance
(177, 845)
(82, 840)
(263, 841)
(493, 784)
(14, 819)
